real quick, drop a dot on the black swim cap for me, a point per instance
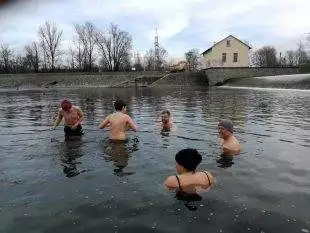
(188, 158)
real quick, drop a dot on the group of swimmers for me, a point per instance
(188, 181)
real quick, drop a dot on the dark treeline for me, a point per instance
(91, 50)
(268, 56)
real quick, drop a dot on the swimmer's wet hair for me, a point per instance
(119, 104)
(188, 158)
(227, 125)
(166, 112)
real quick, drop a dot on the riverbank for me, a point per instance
(210, 77)
(74, 80)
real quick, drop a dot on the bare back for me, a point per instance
(118, 123)
(191, 183)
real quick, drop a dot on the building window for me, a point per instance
(223, 57)
(227, 43)
(235, 57)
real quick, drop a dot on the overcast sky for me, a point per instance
(182, 24)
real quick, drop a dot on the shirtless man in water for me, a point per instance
(229, 144)
(165, 122)
(73, 117)
(118, 122)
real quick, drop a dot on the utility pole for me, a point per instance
(156, 51)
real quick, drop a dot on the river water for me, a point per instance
(89, 185)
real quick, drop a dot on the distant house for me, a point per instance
(229, 52)
(180, 66)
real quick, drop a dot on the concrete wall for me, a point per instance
(218, 76)
(141, 81)
(182, 79)
(214, 57)
(42, 80)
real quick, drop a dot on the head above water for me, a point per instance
(225, 128)
(65, 105)
(119, 105)
(187, 160)
(167, 112)
(165, 116)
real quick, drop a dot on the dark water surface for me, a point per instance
(47, 185)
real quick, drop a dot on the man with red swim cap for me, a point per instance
(73, 117)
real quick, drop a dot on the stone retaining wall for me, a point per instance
(42, 80)
(218, 76)
(182, 79)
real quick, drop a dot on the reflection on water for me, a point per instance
(225, 161)
(92, 185)
(119, 153)
(69, 152)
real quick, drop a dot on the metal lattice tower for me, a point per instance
(156, 52)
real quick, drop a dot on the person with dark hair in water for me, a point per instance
(189, 181)
(165, 123)
(229, 144)
(166, 120)
(73, 117)
(118, 122)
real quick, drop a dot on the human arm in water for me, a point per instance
(81, 118)
(230, 148)
(58, 119)
(131, 124)
(171, 183)
(104, 123)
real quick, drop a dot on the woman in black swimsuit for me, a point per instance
(188, 180)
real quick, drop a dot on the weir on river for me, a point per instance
(296, 81)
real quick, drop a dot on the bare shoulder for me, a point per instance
(171, 182)
(109, 116)
(76, 108)
(126, 116)
(210, 176)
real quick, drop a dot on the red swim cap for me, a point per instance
(65, 105)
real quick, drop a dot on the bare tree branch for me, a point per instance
(265, 57)
(86, 44)
(115, 46)
(50, 41)
(32, 55)
(192, 59)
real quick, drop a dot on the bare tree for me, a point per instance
(149, 59)
(153, 63)
(50, 37)
(32, 55)
(20, 64)
(301, 54)
(115, 46)
(137, 62)
(192, 58)
(265, 57)
(291, 58)
(85, 44)
(5, 58)
(78, 55)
